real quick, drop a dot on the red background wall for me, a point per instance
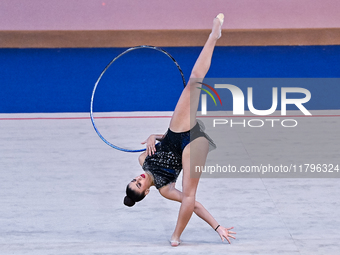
(166, 14)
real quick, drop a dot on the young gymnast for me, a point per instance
(184, 146)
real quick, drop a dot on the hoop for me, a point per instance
(103, 72)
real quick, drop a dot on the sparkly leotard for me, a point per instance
(166, 164)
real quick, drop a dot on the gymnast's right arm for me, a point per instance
(170, 192)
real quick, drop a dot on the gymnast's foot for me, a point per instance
(175, 241)
(217, 26)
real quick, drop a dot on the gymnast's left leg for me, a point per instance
(184, 116)
(183, 119)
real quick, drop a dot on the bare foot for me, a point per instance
(175, 243)
(217, 26)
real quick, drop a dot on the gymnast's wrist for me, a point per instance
(217, 227)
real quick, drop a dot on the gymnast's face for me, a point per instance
(139, 184)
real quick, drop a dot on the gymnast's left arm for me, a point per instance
(151, 142)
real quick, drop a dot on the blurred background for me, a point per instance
(52, 52)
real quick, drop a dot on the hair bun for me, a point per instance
(128, 201)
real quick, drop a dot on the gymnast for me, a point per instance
(182, 147)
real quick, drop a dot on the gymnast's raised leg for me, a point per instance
(183, 119)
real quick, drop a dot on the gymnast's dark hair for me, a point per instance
(132, 197)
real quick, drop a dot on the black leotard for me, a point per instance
(166, 164)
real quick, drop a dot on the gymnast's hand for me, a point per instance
(150, 145)
(225, 233)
